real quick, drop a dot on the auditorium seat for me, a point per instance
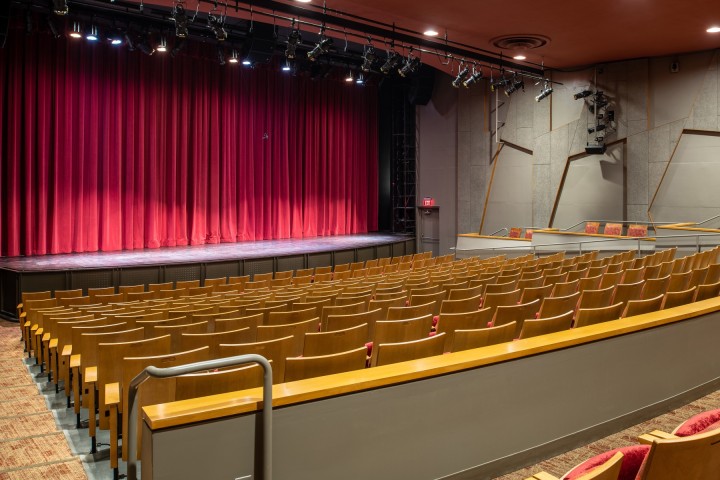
(448, 323)
(638, 307)
(516, 314)
(545, 325)
(403, 330)
(562, 289)
(388, 353)
(553, 306)
(608, 470)
(591, 316)
(494, 300)
(297, 330)
(483, 337)
(459, 306)
(628, 291)
(707, 291)
(536, 293)
(675, 299)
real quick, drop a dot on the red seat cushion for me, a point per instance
(631, 463)
(369, 346)
(435, 320)
(699, 423)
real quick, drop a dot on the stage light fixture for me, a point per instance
(144, 47)
(368, 58)
(220, 56)
(460, 77)
(350, 77)
(516, 84)
(293, 41)
(215, 24)
(181, 21)
(247, 63)
(234, 58)
(92, 34)
(392, 62)
(321, 48)
(411, 66)
(162, 45)
(583, 94)
(611, 116)
(131, 43)
(546, 91)
(53, 28)
(596, 128)
(60, 7)
(179, 45)
(598, 105)
(473, 78)
(499, 84)
(288, 66)
(361, 79)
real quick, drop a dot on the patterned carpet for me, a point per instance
(31, 446)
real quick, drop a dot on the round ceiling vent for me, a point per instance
(520, 42)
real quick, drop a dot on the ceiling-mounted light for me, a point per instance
(498, 84)
(288, 66)
(460, 77)
(516, 84)
(216, 25)
(76, 31)
(519, 57)
(545, 92)
(473, 78)
(247, 62)
(92, 34)
(392, 62)
(181, 21)
(53, 28)
(713, 30)
(361, 79)
(293, 41)
(116, 41)
(583, 94)
(430, 32)
(411, 65)
(234, 57)
(162, 45)
(350, 77)
(321, 48)
(144, 47)
(368, 58)
(60, 7)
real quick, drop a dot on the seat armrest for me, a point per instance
(90, 374)
(20, 306)
(46, 337)
(66, 351)
(542, 476)
(650, 438)
(53, 343)
(74, 360)
(112, 394)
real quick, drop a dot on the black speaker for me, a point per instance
(422, 85)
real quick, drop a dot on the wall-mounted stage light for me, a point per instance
(293, 41)
(321, 48)
(460, 77)
(411, 66)
(288, 66)
(473, 78)
(181, 21)
(392, 62)
(498, 84)
(596, 128)
(513, 86)
(545, 92)
(368, 58)
(60, 7)
(216, 25)
(92, 34)
(583, 94)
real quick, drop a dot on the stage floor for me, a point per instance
(197, 253)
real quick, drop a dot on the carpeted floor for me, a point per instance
(31, 445)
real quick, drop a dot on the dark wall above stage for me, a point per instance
(106, 149)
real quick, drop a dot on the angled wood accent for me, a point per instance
(489, 188)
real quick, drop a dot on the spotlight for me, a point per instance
(599, 104)
(611, 116)
(145, 47)
(92, 34)
(499, 84)
(115, 41)
(53, 28)
(234, 57)
(411, 65)
(293, 41)
(460, 77)
(596, 128)
(473, 79)
(179, 45)
(181, 21)
(545, 92)
(247, 63)
(76, 30)
(60, 7)
(583, 94)
(514, 86)
(599, 139)
(361, 79)
(216, 25)
(131, 43)
(350, 78)
(287, 67)
(392, 62)
(368, 58)
(162, 46)
(321, 48)
(221, 56)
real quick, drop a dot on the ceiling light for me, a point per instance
(472, 79)
(162, 46)
(181, 21)
(76, 31)
(709, 30)
(116, 41)
(287, 67)
(92, 34)
(321, 48)
(411, 65)
(430, 33)
(60, 7)
(303, 1)
(234, 57)
(460, 77)
(247, 62)
(368, 58)
(216, 25)
(350, 78)
(293, 41)
(519, 57)
(392, 62)
(545, 92)
(583, 94)
(361, 79)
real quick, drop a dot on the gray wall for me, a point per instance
(653, 107)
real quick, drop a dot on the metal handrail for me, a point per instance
(709, 219)
(638, 222)
(197, 367)
(501, 230)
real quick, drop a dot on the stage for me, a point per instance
(105, 269)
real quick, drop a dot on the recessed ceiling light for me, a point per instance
(304, 1)
(430, 33)
(519, 57)
(713, 30)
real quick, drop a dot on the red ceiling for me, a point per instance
(580, 33)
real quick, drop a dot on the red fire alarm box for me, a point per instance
(428, 201)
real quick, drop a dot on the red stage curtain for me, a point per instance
(106, 149)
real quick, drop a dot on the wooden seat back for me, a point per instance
(341, 310)
(276, 350)
(535, 293)
(675, 299)
(516, 314)
(638, 307)
(610, 279)
(655, 286)
(543, 326)
(435, 298)
(469, 304)
(554, 306)
(291, 316)
(707, 291)
(596, 298)
(58, 294)
(562, 289)
(414, 311)
(679, 281)
(590, 316)
(628, 291)
(335, 341)
(696, 457)
(449, 323)
(493, 288)
(86, 344)
(395, 331)
(477, 338)
(296, 330)
(388, 353)
(494, 300)
(632, 275)
(300, 368)
(191, 341)
(341, 322)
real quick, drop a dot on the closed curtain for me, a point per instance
(107, 149)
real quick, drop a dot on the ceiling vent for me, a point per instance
(520, 42)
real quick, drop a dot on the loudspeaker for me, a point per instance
(422, 85)
(260, 44)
